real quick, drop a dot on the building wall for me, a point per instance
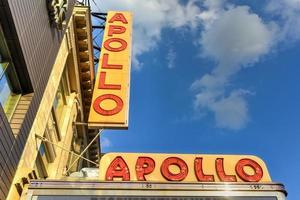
(31, 148)
(39, 41)
(34, 45)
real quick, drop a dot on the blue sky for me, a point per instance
(217, 77)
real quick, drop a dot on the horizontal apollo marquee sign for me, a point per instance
(182, 167)
(110, 101)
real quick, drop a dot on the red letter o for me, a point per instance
(169, 175)
(97, 105)
(115, 49)
(258, 172)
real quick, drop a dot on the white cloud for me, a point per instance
(211, 11)
(171, 56)
(150, 17)
(235, 38)
(232, 36)
(288, 12)
(231, 111)
(105, 142)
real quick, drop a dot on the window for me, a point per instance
(9, 96)
(10, 89)
(41, 162)
(62, 93)
(59, 101)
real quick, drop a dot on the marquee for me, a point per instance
(182, 167)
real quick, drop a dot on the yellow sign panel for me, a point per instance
(110, 103)
(182, 167)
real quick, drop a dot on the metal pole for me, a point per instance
(86, 148)
(81, 123)
(80, 156)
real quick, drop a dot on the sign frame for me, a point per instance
(111, 94)
(185, 168)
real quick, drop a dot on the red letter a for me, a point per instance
(118, 17)
(119, 169)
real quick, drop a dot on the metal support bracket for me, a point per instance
(86, 148)
(78, 156)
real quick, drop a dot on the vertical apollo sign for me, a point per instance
(110, 103)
